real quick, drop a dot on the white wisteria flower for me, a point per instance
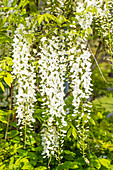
(80, 68)
(52, 71)
(24, 73)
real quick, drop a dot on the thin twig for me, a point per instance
(10, 108)
(97, 64)
(97, 51)
(89, 154)
(7, 127)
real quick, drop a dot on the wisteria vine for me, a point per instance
(52, 72)
(24, 73)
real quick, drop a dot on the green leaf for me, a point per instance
(68, 165)
(52, 17)
(91, 168)
(61, 19)
(99, 115)
(8, 79)
(65, 166)
(96, 163)
(22, 152)
(69, 156)
(3, 65)
(2, 87)
(73, 165)
(1, 129)
(31, 141)
(2, 22)
(88, 9)
(17, 163)
(69, 132)
(46, 19)
(104, 162)
(11, 162)
(9, 61)
(15, 139)
(89, 30)
(111, 166)
(41, 18)
(1, 135)
(41, 168)
(5, 2)
(78, 144)
(27, 166)
(92, 121)
(22, 3)
(74, 133)
(12, 133)
(31, 155)
(2, 167)
(14, 124)
(14, 3)
(5, 38)
(25, 160)
(69, 153)
(39, 99)
(94, 11)
(3, 120)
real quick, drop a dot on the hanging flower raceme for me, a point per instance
(52, 71)
(106, 24)
(88, 10)
(81, 84)
(24, 72)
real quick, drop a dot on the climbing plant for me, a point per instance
(42, 49)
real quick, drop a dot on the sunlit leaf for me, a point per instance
(104, 162)
(2, 87)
